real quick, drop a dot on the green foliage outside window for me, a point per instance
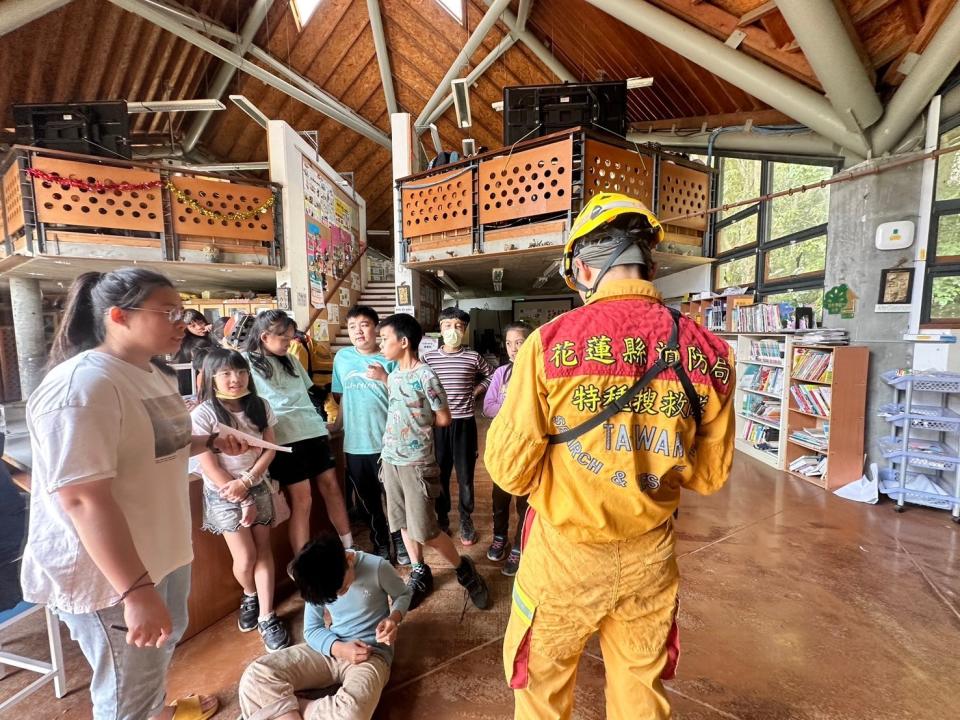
(948, 236)
(948, 168)
(797, 259)
(741, 181)
(945, 298)
(743, 232)
(793, 213)
(811, 298)
(740, 273)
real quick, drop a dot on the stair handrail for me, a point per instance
(315, 312)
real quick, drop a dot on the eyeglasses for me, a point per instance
(173, 316)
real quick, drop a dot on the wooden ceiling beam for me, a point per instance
(855, 40)
(912, 14)
(758, 13)
(778, 29)
(937, 11)
(759, 117)
(871, 9)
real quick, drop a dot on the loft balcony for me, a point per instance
(512, 208)
(65, 213)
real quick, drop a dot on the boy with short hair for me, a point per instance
(408, 468)
(363, 416)
(465, 376)
(354, 653)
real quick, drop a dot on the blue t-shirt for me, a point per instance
(364, 401)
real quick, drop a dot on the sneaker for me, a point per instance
(512, 565)
(468, 533)
(403, 559)
(468, 576)
(382, 551)
(274, 634)
(498, 549)
(249, 612)
(420, 583)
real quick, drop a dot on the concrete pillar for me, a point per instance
(26, 301)
(401, 133)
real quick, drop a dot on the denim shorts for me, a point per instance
(220, 516)
(129, 683)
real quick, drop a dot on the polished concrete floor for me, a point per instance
(795, 604)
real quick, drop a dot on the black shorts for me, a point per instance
(310, 458)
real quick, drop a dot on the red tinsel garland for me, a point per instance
(97, 186)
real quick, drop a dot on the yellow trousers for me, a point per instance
(564, 593)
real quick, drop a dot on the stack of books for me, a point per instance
(824, 336)
(762, 408)
(810, 465)
(812, 399)
(768, 351)
(813, 365)
(762, 378)
(758, 318)
(761, 436)
(818, 438)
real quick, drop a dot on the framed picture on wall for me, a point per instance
(896, 286)
(537, 312)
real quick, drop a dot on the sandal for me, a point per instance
(190, 708)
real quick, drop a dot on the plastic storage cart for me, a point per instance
(923, 470)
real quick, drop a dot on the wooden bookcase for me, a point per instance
(750, 362)
(697, 310)
(847, 383)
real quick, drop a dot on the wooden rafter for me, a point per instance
(758, 13)
(721, 24)
(870, 9)
(936, 12)
(759, 117)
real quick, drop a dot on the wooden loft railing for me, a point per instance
(524, 196)
(140, 211)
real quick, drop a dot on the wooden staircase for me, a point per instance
(381, 296)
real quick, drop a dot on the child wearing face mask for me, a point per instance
(237, 499)
(465, 376)
(515, 334)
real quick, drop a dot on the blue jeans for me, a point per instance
(129, 683)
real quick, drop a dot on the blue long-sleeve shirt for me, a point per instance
(356, 614)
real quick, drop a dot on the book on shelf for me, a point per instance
(812, 399)
(763, 379)
(757, 318)
(812, 365)
(768, 351)
(760, 436)
(762, 408)
(810, 465)
(813, 437)
(823, 336)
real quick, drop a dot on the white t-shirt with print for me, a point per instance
(205, 422)
(96, 417)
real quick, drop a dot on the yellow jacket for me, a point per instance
(623, 478)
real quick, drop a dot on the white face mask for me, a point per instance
(452, 337)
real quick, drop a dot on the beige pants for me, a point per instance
(270, 684)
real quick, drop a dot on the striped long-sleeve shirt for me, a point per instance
(460, 372)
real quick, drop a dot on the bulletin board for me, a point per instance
(538, 312)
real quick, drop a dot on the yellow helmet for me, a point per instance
(600, 210)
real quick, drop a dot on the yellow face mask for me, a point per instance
(228, 396)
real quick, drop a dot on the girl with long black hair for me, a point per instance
(282, 381)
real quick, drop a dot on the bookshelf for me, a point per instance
(827, 391)
(715, 313)
(761, 394)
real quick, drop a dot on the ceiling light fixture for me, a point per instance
(250, 109)
(635, 83)
(156, 106)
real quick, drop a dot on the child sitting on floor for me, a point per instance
(411, 478)
(354, 653)
(237, 501)
(516, 333)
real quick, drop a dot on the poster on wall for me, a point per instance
(318, 259)
(344, 297)
(318, 194)
(343, 214)
(537, 312)
(355, 281)
(333, 313)
(323, 331)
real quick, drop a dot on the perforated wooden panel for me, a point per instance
(438, 203)
(526, 183)
(9, 365)
(65, 205)
(223, 198)
(12, 200)
(683, 190)
(607, 168)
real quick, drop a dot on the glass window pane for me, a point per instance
(793, 213)
(948, 236)
(948, 168)
(737, 235)
(945, 298)
(809, 298)
(741, 272)
(797, 259)
(740, 180)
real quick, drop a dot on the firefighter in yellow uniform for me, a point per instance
(612, 409)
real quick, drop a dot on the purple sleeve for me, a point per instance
(492, 400)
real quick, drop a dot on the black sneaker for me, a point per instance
(274, 634)
(249, 612)
(420, 583)
(512, 565)
(498, 549)
(403, 559)
(468, 576)
(468, 533)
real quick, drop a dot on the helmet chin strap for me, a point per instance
(619, 250)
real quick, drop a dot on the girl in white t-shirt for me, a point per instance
(109, 545)
(237, 499)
